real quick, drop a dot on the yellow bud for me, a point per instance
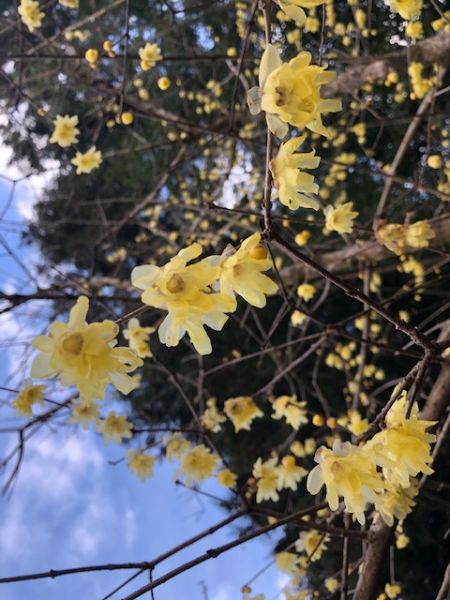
(164, 83)
(331, 422)
(107, 46)
(91, 55)
(318, 420)
(258, 252)
(127, 118)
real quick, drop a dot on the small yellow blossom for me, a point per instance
(415, 30)
(401, 539)
(290, 473)
(298, 317)
(293, 9)
(164, 83)
(30, 14)
(241, 411)
(419, 234)
(289, 93)
(66, 132)
(393, 590)
(434, 161)
(126, 118)
(85, 355)
(340, 218)
(242, 272)
(396, 503)
(287, 562)
(408, 9)
(88, 161)
(140, 463)
(28, 396)
(198, 464)
(290, 181)
(306, 291)
(176, 446)
(91, 55)
(115, 427)
(302, 238)
(289, 408)
(356, 424)
(397, 237)
(149, 54)
(347, 471)
(137, 337)
(313, 543)
(331, 584)
(211, 419)
(268, 479)
(227, 478)
(85, 412)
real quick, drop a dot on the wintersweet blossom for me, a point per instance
(396, 502)
(30, 14)
(340, 217)
(198, 464)
(289, 408)
(242, 272)
(137, 337)
(28, 396)
(227, 478)
(141, 463)
(149, 54)
(293, 9)
(306, 291)
(115, 427)
(65, 133)
(313, 543)
(290, 473)
(290, 181)
(268, 479)
(289, 93)
(176, 446)
(212, 419)
(403, 449)
(186, 292)
(85, 413)
(87, 162)
(347, 471)
(408, 9)
(85, 355)
(398, 237)
(287, 562)
(241, 411)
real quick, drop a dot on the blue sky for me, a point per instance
(70, 507)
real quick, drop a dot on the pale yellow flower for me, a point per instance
(85, 355)
(290, 473)
(306, 291)
(289, 408)
(87, 161)
(85, 412)
(176, 446)
(30, 14)
(268, 479)
(313, 543)
(198, 464)
(293, 9)
(149, 54)
(408, 9)
(28, 396)
(241, 411)
(211, 419)
(396, 503)
(242, 272)
(227, 478)
(115, 427)
(290, 181)
(66, 132)
(140, 463)
(340, 217)
(137, 337)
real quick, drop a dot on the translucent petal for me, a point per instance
(295, 13)
(277, 126)
(314, 481)
(79, 312)
(41, 368)
(270, 61)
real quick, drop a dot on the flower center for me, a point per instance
(176, 284)
(73, 344)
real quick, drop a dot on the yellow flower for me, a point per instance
(415, 30)
(288, 562)
(419, 234)
(140, 463)
(419, 83)
(434, 161)
(84, 355)
(356, 424)
(88, 161)
(227, 478)
(408, 9)
(66, 132)
(331, 584)
(293, 9)
(149, 54)
(198, 464)
(91, 55)
(302, 238)
(176, 446)
(290, 473)
(298, 317)
(241, 272)
(291, 409)
(164, 83)
(115, 427)
(403, 449)
(397, 237)
(313, 543)
(340, 218)
(306, 291)
(211, 418)
(289, 179)
(85, 412)
(396, 503)
(268, 478)
(401, 540)
(241, 411)
(392, 590)
(185, 291)
(346, 471)
(30, 14)
(289, 93)
(28, 396)
(137, 337)
(126, 118)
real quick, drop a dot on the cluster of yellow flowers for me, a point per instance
(397, 237)
(201, 293)
(420, 84)
(380, 472)
(30, 14)
(272, 477)
(65, 134)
